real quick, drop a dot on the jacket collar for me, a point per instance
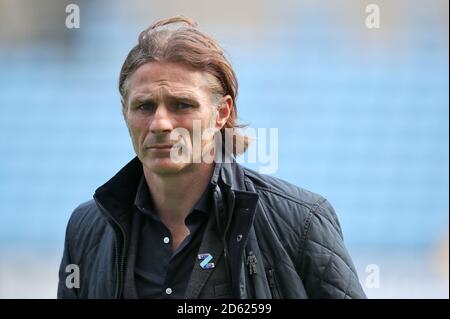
(120, 191)
(116, 197)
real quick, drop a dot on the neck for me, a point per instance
(174, 195)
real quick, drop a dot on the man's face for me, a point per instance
(161, 98)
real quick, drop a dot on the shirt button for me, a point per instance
(166, 240)
(168, 291)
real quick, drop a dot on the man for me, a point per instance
(169, 228)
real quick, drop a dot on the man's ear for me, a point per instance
(224, 111)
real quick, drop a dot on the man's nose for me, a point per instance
(161, 121)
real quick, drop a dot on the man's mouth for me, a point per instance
(160, 147)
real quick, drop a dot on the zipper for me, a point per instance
(227, 261)
(218, 202)
(272, 284)
(119, 260)
(251, 263)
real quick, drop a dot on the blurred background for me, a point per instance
(362, 118)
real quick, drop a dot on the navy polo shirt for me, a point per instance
(159, 271)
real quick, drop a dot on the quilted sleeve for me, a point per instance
(326, 267)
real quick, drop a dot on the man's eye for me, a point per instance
(146, 107)
(182, 106)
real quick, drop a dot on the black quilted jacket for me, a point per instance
(276, 240)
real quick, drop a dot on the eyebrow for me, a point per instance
(150, 98)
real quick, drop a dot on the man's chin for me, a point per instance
(163, 166)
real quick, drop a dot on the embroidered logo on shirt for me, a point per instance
(206, 258)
